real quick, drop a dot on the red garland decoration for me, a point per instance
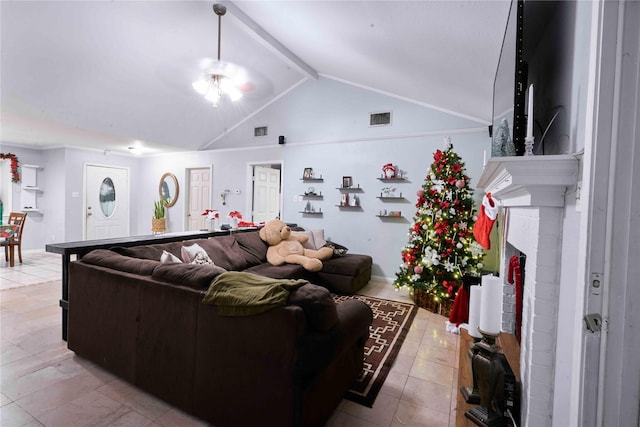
(15, 175)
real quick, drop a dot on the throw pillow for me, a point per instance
(169, 258)
(318, 238)
(338, 250)
(202, 258)
(189, 252)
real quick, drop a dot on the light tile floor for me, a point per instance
(44, 384)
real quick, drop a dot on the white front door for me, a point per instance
(199, 197)
(266, 193)
(106, 202)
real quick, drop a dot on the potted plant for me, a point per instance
(159, 222)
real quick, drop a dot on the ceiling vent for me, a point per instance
(380, 119)
(260, 131)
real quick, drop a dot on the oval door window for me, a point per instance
(107, 197)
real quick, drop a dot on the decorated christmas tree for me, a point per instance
(441, 248)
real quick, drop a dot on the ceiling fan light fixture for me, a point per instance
(213, 86)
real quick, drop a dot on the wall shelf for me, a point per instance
(38, 211)
(390, 198)
(349, 207)
(350, 189)
(393, 179)
(312, 179)
(312, 196)
(29, 189)
(310, 213)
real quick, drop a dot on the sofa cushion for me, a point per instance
(254, 249)
(347, 265)
(150, 251)
(225, 252)
(346, 274)
(285, 271)
(318, 305)
(190, 275)
(110, 259)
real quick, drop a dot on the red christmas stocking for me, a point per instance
(484, 223)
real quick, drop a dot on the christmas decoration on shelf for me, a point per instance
(441, 248)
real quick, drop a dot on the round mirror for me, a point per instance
(169, 189)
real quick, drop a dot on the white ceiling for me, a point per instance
(110, 75)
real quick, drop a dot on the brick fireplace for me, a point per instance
(532, 192)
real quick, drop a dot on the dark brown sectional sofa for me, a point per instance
(145, 321)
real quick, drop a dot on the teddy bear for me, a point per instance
(285, 247)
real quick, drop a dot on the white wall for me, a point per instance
(326, 127)
(571, 279)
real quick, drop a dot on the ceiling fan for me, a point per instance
(222, 79)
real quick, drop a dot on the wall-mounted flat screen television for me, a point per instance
(509, 121)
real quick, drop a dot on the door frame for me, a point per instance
(84, 195)
(608, 382)
(187, 198)
(249, 189)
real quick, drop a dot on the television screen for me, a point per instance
(509, 124)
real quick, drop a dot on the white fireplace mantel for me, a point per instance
(529, 180)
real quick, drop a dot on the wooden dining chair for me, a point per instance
(18, 220)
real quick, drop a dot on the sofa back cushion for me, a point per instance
(109, 259)
(225, 252)
(317, 304)
(153, 252)
(254, 249)
(190, 275)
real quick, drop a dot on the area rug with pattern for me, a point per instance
(391, 322)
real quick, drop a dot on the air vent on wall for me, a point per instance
(260, 131)
(380, 119)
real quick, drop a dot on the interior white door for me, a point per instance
(266, 193)
(199, 197)
(107, 202)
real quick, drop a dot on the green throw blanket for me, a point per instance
(244, 294)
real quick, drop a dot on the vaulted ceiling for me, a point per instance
(110, 75)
